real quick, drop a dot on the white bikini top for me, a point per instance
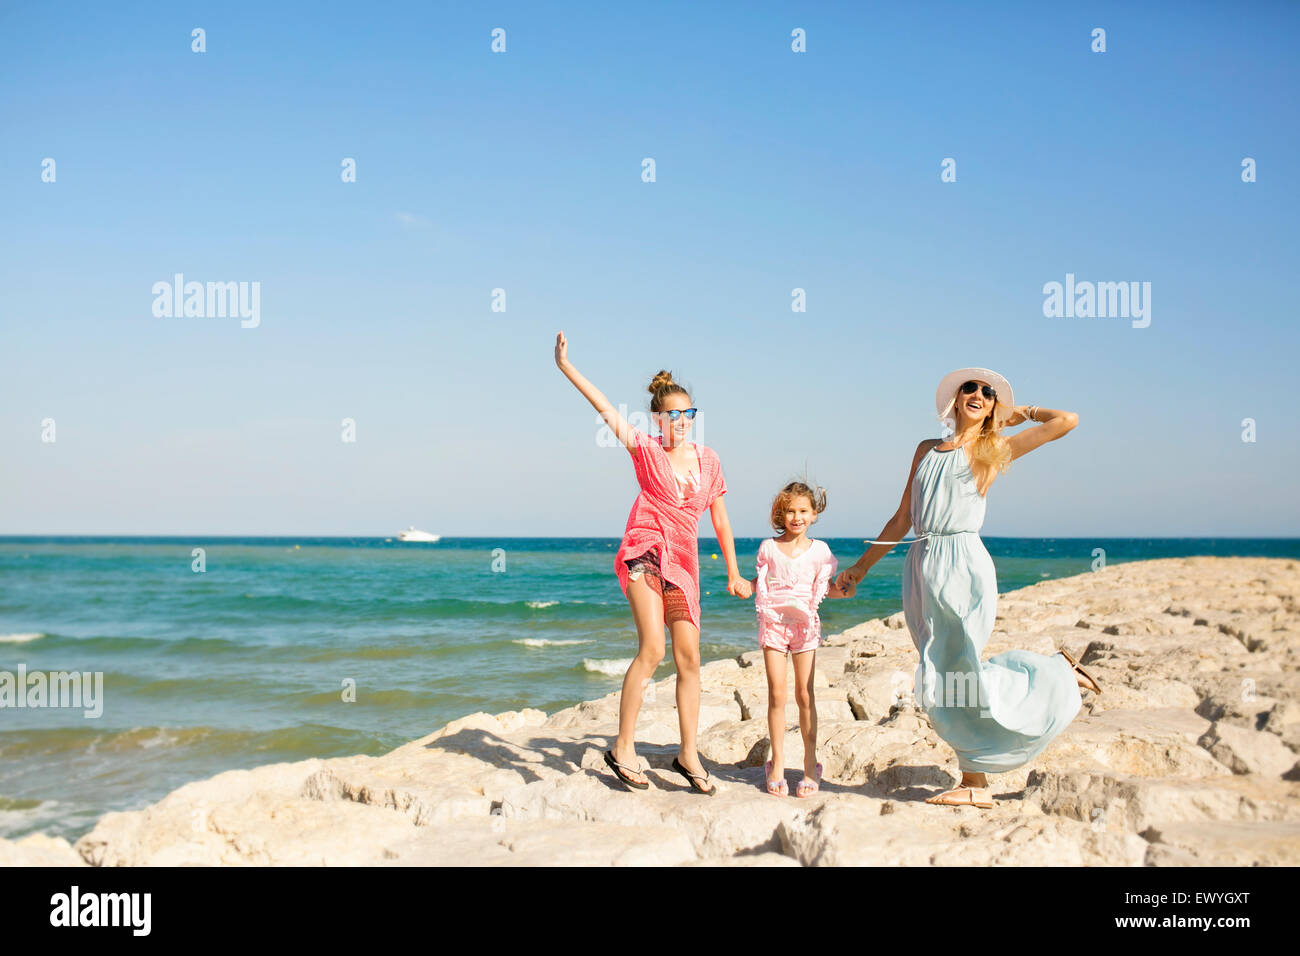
(684, 482)
(688, 481)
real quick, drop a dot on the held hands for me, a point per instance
(739, 587)
(849, 579)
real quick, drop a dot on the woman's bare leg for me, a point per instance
(648, 615)
(686, 657)
(969, 781)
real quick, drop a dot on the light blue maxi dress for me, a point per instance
(996, 714)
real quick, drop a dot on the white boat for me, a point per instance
(411, 534)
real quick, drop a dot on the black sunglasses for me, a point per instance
(968, 387)
(676, 413)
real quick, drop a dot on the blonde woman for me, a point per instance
(1000, 713)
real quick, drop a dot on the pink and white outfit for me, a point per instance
(789, 590)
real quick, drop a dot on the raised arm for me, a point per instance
(1052, 424)
(617, 423)
(894, 530)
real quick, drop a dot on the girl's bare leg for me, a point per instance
(804, 668)
(648, 615)
(774, 661)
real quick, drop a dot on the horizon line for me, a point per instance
(554, 537)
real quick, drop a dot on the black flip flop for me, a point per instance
(621, 772)
(691, 778)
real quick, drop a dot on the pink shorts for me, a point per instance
(793, 640)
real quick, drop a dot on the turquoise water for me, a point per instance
(245, 663)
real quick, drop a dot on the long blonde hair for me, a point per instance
(990, 449)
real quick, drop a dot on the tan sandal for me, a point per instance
(970, 801)
(1075, 665)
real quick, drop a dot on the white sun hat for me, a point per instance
(947, 390)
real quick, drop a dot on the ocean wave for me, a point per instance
(13, 803)
(19, 638)
(234, 609)
(297, 743)
(205, 646)
(143, 738)
(608, 668)
(545, 642)
(388, 699)
(19, 817)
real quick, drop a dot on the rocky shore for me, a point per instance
(1188, 758)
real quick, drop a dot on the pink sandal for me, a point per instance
(808, 787)
(777, 788)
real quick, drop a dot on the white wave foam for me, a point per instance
(609, 668)
(159, 739)
(40, 816)
(18, 638)
(540, 604)
(544, 642)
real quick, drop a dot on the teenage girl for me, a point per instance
(658, 561)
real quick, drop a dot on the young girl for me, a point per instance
(794, 574)
(658, 561)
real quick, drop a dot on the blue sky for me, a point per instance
(522, 171)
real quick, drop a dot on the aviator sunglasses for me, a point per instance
(968, 387)
(677, 413)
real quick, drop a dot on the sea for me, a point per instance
(219, 653)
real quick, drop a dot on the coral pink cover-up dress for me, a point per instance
(666, 516)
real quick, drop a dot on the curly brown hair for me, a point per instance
(796, 489)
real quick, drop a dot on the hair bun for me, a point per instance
(661, 381)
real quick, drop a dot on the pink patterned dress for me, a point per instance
(666, 515)
(789, 590)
